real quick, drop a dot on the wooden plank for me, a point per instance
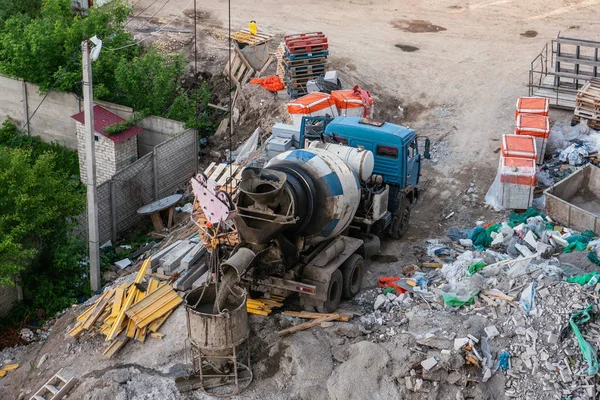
(98, 310)
(87, 312)
(313, 315)
(217, 172)
(306, 325)
(130, 298)
(115, 346)
(155, 326)
(151, 299)
(210, 168)
(157, 310)
(231, 170)
(117, 303)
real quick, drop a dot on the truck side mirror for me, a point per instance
(426, 153)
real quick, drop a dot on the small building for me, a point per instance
(113, 152)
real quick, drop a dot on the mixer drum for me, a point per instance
(331, 191)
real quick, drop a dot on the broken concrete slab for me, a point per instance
(491, 331)
(193, 256)
(155, 260)
(429, 363)
(190, 276)
(171, 260)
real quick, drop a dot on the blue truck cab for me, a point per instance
(397, 160)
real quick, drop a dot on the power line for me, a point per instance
(141, 12)
(156, 31)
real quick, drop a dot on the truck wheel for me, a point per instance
(334, 293)
(353, 270)
(400, 221)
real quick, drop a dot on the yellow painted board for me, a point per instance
(155, 326)
(149, 300)
(152, 285)
(129, 301)
(258, 312)
(10, 367)
(87, 312)
(114, 347)
(157, 335)
(76, 330)
(155, 307)
(116, 308)
(3, 374)
(173, 303)
(140, 334)
(98, 310)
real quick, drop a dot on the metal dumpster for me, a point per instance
(575, 201)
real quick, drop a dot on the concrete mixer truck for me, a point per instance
(309, 219)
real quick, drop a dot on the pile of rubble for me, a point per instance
(539, 330)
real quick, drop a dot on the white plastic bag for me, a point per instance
(247, 148)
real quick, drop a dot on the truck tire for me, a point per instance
(334, 293)
(400, 220)
(353, 270)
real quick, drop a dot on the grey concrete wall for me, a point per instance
(157, 174)
(11, 99)
(156, 131)
(52, 121)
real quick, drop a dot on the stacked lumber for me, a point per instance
(587, 104)
(263, 306)
(129, 311)
(279, 54)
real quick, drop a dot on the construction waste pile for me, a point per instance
(543, 337)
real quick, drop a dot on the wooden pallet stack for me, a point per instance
(587, 104)
(305, 58)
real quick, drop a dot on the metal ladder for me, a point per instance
(55, 388)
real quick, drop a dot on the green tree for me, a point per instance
(8, 8)
(149, 83)
(38, 203)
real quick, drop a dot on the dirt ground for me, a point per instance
(455, 68)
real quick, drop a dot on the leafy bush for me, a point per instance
(191, 107)
(40, 196)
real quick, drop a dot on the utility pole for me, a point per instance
(90, 160)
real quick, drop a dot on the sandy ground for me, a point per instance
(458, 88)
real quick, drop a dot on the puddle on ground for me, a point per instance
(384, 258)
(416, 26)
(529, 34)
(407, 48)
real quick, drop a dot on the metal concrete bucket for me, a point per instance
(214, 332)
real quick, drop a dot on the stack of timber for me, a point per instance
(264, 306)
(279, 54)
(129, 311)
(587, 104)
(305, 58)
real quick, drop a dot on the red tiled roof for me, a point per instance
(104, 118)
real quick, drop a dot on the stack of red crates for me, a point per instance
(304, 59)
